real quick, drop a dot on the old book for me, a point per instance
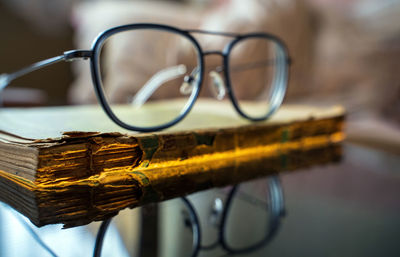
(72, 165)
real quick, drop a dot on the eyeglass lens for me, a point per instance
(143, 70)
(257, 70)
(248, 215)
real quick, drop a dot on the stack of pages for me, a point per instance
(73, 165)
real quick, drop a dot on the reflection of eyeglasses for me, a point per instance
(243, 211)
(262, 209)
(166, 63)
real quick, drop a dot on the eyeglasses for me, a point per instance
(139, 68)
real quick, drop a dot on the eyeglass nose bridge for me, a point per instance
(205, 53)
(222, 54)
(218, 85)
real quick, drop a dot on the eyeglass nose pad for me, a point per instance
(187, 85)
(218, 85)
(189, 82)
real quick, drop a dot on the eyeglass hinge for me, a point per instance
(77, 54)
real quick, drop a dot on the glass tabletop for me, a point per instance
(350, 208)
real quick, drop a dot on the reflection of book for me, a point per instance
(76, 177)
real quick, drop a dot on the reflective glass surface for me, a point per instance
(349, 208)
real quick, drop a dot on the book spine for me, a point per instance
(86, 157)
(149, 168)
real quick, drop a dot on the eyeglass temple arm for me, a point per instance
(6, 79)
(159, 79)
(156, 81)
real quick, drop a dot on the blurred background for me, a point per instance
(343, 51)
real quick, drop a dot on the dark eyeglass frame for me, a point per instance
(93, 55)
